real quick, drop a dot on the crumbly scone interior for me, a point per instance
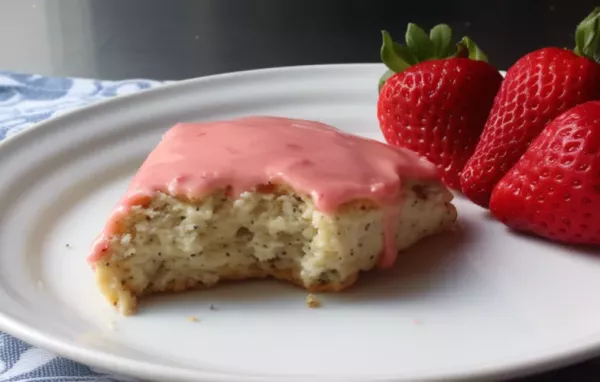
(174, 245)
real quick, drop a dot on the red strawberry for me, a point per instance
(554, 189)
(437, 102)
(537, 88)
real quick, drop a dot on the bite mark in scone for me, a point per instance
(287, 210)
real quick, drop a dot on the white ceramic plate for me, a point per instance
(481, 303)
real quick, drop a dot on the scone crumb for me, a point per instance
(193, 319)
(312, 301)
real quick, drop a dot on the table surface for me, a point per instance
(176, 39)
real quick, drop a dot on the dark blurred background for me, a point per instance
(176, 39)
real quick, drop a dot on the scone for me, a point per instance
(265, 197)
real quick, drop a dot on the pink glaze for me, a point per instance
(331, 166)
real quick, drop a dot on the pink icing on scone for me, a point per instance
(333, 167)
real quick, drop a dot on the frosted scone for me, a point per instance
(265, 196)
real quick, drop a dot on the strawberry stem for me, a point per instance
(421, 47)
(587, 36)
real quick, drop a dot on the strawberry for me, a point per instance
(434, 101)
(554, 189)
(536, 89)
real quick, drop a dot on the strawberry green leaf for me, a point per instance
(392, 55)
(418, 42)
(441, 38)
(406, 54)
(385, 77)
(587, 36)
(468, 49)
(422, 47)
(395, 56)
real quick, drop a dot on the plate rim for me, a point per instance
(87, 355)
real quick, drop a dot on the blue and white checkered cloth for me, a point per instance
(25, 100)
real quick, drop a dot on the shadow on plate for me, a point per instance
(580, 249)
(574, 249)
(421, 269)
